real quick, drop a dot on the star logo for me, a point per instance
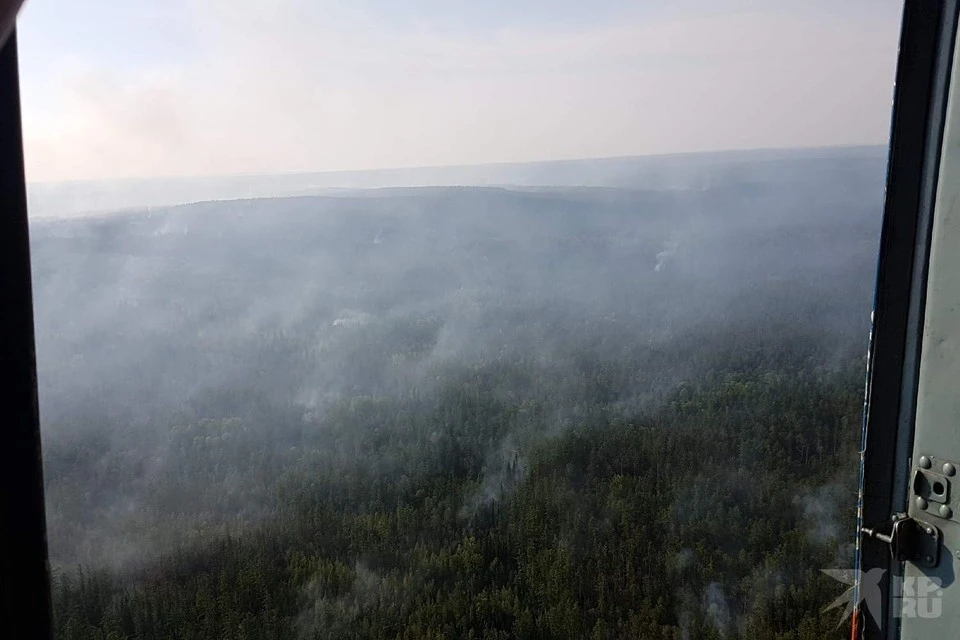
(864, 589)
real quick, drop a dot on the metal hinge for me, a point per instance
(910, 540)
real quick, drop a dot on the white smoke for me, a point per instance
(321, 613)
(716, 608)
(684, 558)
(503, 469)
(352, 318)
(669, 249)
(820, 510)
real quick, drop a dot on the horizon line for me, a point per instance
(508, 163)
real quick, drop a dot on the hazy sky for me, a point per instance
(201, 87)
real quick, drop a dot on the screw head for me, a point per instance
(920, 502)
(949, 469)
(925, 462)
(945, 511)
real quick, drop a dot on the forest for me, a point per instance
(460, 412)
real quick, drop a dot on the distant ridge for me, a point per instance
(670, 171)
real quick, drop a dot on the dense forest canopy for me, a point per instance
(605, 411)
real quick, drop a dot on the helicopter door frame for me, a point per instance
(924, 65)
(926, 48)
(25, 602)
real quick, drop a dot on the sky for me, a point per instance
(162, 88)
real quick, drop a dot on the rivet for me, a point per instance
(949, 469)
(925, 462)
(945, 511)
(929, 559)
(921, 503)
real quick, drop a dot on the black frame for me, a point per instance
(25, 604)
(919, 107)
(925, 57)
